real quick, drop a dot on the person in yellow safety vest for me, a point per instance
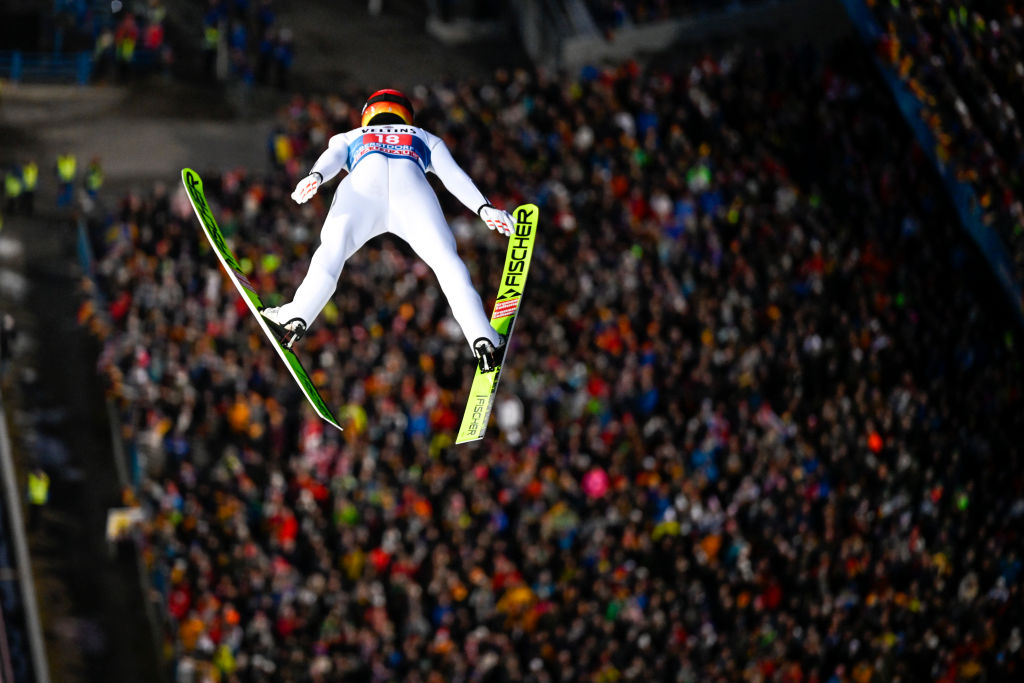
(126, 37)
(211, 41)
(30, 180)
(126, 49)
(67, 168)
(38, 495)
(225, 660)
(93, 177)
(12, 189)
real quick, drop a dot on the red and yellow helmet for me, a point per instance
(387, 102)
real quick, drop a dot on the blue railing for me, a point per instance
(36, 67)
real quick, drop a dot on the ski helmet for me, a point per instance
(387, 106)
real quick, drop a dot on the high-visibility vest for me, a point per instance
(93, 177)
(66, 164)
(282, 148)
(12, 184)
(30, 174)
(224, 660)
(126, 49)
(211, 36)
(38, 488)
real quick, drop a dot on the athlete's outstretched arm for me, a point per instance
(330, 163)
(333, 160)
(461, 185)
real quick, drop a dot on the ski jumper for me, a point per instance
(386, 190)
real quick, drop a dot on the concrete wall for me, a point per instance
(818, 21)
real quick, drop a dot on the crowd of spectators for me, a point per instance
(127, 39)
(132, 42)
(256, 47)
(760, 419)
(238, 40)
(964, 61)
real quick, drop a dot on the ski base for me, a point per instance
(194, 188)
(506, 308)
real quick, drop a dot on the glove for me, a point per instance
(307, 187)
(496, 219)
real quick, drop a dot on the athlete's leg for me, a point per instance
(417, 218)
(352, 220)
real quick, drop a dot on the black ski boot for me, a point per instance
(488, 357)
(288, 332)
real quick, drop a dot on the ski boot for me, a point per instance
(287, 332)
(487, 355)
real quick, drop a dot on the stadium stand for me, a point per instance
(962, 60)
(759, 421)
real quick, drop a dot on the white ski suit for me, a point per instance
(386, 190)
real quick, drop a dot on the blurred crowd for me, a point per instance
(237, 40)
(132, 41)
(964, 61)
(127, 39)
(760, 418)
(247, 40)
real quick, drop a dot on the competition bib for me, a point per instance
(391, 144)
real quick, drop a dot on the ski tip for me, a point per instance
(526, 213)
(190, 177)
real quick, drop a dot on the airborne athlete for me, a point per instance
(386, 190)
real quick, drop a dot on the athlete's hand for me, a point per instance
(496, 219)
(306, 188)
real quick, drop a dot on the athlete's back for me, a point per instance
(386, 189)
(391, 159)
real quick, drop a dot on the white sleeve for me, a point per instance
(454, 178)
(334, 159)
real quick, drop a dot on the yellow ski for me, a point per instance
(503, 319)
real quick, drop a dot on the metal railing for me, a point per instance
(40, 67)
(11, 498)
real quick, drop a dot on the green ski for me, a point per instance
(194, 188)
(503, 319)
